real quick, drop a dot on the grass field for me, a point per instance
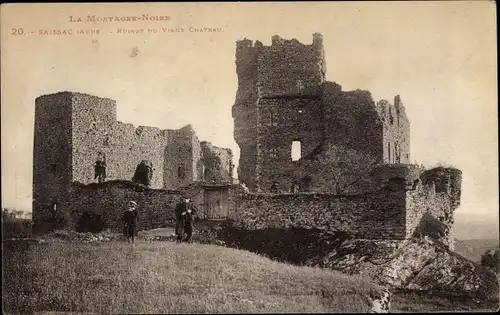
(165, 277)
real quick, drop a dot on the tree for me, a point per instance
(11, 213)
(350, 169)
(7, 213)
(491, 260)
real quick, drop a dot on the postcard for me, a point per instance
(249, 157)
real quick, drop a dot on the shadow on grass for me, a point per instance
(293, 245)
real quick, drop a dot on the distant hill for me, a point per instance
(473, 249)
(468, 227)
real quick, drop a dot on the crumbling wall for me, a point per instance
(396, 176)
(287, 68)
(435, 198)
(217, 163)
(281, 122)
(244, 110)
(379, 215)
(283, 97)
(108, 199)
(128, 146)
(341, 170)
(181, 156)
(98, 135)
(351, 120)
(95, 134)
(92, 121)
(290, 67)
(197, 164)
(403, 201)
(396, 131)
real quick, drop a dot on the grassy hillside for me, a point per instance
(164, 277)
(473, 249)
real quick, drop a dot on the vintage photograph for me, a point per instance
(246, 157)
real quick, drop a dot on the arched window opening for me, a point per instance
(389, 152)
(274, 188)
(300, 85)
(181, 173)
(273, 153)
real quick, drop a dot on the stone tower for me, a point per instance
(66, 127)
(274, 81)
(287, 118)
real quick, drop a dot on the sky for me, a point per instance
(439, 56)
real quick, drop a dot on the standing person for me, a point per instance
(130, 222)
(100, 171)
(180, 207)
(184, 213)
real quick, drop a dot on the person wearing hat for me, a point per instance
(184, 220)
(130, 222)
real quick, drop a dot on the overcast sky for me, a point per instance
(439, 56)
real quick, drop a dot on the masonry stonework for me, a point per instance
(351, 171)
(376, 216)
(108, 200)
(403, 200)
(311, 155)
(217, 163)
(74, 130)
(283, 98)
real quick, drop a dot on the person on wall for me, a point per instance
(100, 171)
(184, 223)
(130, 222)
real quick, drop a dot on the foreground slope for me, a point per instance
(417, 264)
(164, 277)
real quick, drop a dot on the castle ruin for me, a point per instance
(283, 100)
(350, 173)
(351, 169)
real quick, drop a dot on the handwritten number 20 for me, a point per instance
(17, 31)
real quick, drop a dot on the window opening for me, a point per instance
(273, 153)
(296, 150)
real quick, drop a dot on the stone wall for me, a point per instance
(281, 122)
(92, 120)
(290, 67)
(351, 120)
(432, 203)
(244, 111)
(182, 158)
(128, 146)
(378, 216)
(402, 200)
(75, 130)
(94, 133)
(108, 199)
(396, 131)
(52, 154)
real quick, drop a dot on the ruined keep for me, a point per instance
(351, 169)
(284, 101)
(78, 140)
